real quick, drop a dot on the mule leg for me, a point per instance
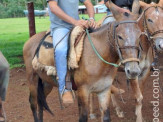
(117, 107)
(33, 83)
(42, 100)
(83, 104)
(2, 113)
(47, 88)
(4, 80)
(143, 78)
(118, 110)
(92, 114)
(139, 98)
(104, 99)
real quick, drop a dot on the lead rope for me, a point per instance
(96, 52)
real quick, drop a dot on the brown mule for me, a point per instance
(116, 42)
(151, 23)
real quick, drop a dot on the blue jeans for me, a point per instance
(109, 18)
(60, 54)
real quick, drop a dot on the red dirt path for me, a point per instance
(18, 109)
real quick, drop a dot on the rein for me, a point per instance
(96, 52)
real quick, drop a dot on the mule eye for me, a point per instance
(149, 20)
(119, 37)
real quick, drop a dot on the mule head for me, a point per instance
(127, 37)
(153, 23)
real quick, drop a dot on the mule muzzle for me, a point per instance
(159, 44)
(132, 70)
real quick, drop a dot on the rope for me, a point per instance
(96, 52)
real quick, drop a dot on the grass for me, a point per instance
(14, 32)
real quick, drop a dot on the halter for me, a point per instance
(149, 35)
(123, 61)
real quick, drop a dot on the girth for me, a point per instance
(40, 44)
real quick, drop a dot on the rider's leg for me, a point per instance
(109, 18)
(61, 51)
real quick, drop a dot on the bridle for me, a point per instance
(123, 61)
(151, 38)
(150, 35)
(116, 45)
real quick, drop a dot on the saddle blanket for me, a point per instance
(44, 58)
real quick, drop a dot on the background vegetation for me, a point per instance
(14, 8)
(14, 33)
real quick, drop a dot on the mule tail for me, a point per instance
(41, 99)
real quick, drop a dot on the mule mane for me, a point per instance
(100, 28)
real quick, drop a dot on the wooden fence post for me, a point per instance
(31, 18)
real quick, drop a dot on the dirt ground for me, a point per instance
(18, 109)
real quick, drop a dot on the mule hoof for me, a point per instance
(119, 112)
(121, 91)
(92, 116)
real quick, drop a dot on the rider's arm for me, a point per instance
(90, 8)
(91, 13)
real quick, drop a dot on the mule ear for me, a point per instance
(135, 7)
(144, 5)
(117, 11)
(160, 3)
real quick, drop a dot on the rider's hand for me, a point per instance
(92, 23)
(82, 23)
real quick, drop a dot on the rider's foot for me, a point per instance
(67, 97)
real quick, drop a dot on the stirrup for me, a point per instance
(69, 87)
(63, 91)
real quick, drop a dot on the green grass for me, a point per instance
(14, 32)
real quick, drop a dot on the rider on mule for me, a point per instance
(63, 16)
(4, 79)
